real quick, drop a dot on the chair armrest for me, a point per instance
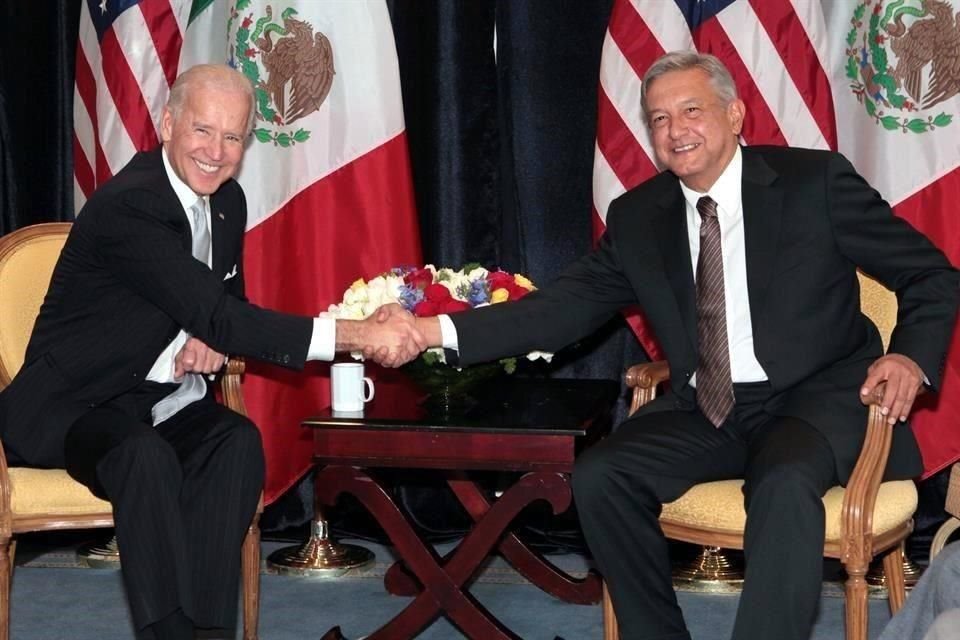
(860, 496)
(6, 518)
(230, 385)
(643, 379)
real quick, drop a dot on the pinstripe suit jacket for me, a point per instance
(125, 284)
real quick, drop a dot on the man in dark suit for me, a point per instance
(146, 297)
(768, 351)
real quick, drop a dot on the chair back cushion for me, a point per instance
(880, 305)
(27, 258)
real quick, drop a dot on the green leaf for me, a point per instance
(890, 123)
(870, 106)
(470, 266)
(430, 358)
(851, 37)
(942, 120)
(857, 14)
(917, 125)
(301, 135)
(263, 135)
(242, 4)
(283, 139)
(852, 68)
(509, 364)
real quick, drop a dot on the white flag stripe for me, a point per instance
(83, 129)
(135, 40)
(620, 83)
(606, 185)
(78, 198)
(755, 48)
(87, 39)
(666, 23)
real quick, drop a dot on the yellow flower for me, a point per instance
(359, 283)
(500, 295)
(523, 282)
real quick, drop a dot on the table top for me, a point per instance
(508, 405)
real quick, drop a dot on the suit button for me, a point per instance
(687, 374)
(135, 374)
(286, 359)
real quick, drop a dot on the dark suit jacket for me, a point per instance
(124, 286)
(809, 221)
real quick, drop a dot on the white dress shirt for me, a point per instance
(726, 192)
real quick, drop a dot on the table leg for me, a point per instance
(533, 566)
(443, 580)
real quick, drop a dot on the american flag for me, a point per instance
(128, 55)
(790, 60)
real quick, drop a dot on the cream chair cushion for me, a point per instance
(719, 506)
(51, 491)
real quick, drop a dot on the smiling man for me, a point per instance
(744, 261)
(146, 297)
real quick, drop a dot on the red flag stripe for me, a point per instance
(799, 57)
(82, 170)
(125, 91)
(633, 37)
(760, 126)
(165, 32)
(87, 86)
(623, 153)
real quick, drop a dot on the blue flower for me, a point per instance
(478, 293)
(410, 297)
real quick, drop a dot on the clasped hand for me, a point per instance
(903, 378)
(196, 357)
(392, 337)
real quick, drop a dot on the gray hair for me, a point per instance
(719, 75)
(214, 76)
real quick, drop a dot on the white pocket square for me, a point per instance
(231, 274)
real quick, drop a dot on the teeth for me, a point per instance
(686, 147)
(209, 168)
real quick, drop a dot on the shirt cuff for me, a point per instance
(448, 333)
(323, 342)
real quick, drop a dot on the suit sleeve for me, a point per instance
(142, 245)
(904, 260)
(585, 296)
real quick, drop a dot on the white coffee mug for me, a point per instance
(349, 389)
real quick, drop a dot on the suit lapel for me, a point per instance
(218, 235)
(671, 229)
(762, 213)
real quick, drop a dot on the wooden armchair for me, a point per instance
(49, 499)
(863, 520)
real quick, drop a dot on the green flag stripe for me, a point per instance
(197, 8)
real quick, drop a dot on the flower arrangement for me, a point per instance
(429, 291)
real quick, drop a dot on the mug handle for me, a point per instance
(368, 386)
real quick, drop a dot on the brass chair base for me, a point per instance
(100, 555)
(877, 578)
(713, 570)
(319, 556)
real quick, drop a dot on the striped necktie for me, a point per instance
(714, 384)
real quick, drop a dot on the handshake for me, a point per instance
(391, 336)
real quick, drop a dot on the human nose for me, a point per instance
(215, 148)
(677, 128)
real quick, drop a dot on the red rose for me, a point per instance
(436, 293)
(500, 280)
(419, 278)
(517, 292)
(426, 308)
(453, 306)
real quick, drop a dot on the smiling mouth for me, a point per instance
(206, 168)
(686, 147)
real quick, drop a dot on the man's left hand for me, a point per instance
(903, 377)
(196, 357)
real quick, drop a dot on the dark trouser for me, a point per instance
(183, 495)
(620, 484)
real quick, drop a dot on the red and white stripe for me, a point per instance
(122, 83)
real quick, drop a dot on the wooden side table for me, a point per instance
(534, 426)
